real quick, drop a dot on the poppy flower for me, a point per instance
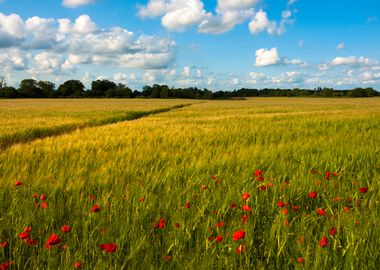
(35, 195)
(28, 229)
(92, 197)
(95, 208)
(3, 244)
(77, 264)
(363, 190)
(259, 178)
(313, 194)
(281, 204)
(321, 212)
(238, 235)
(327, 175)
(335, 174)
(246, 208)
(245, 196)
(160, 224)
(244, 219)
(44, 205)
(295, 208)
(219, 181)
(168, 258)
(187, 205)
(203, 187)
(43, 197)
(5, 266)
(220, 224)
(142, 199)
(219, 238)
(24, 235)
(177, 225)
(109, 248)
(240, 249)
(323, 242)
(18, 183)
(65, 229)
(31, 242)
(300, 260)
(53, 240)
(258, 173)
(263, 187)
(233, 205)
(285, 211)
(333, 231)
(213, 177)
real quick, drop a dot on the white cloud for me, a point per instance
(186, 71)
(353, 61)
(260, 23)
(12, 30)
(341, 46)
(267, 57)
(290, 2)
(154, 8)
(77, 3)
(228, 5)
(84, 25)
(13, 59)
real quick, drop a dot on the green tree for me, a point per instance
(29, 89)
(71, 88)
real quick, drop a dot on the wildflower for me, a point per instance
(238, 235)
(335, 174)
(24, 235)
(240, 249)
(285, 211)
(281, 204)
(95, 208)
(313, 194)
(177, 225)
(246, 208)
(219, 238)
(244, 219)
(220, 224)
(263, 187)
(333, 231)
(300, 260)
(35, 195)
(53, 240)
(18, 183)
(3, 244)
(323, 242)
(160, 224)
(31, 242)
(109, 248)
(44, 205)
(245, 196)
(327, 175)
(203, 187)
(363, 190)
(78, 265)
(28, 229)
(92, 197)
(346, 209)
(187, 205)
(66, 228)
(213, 177)
(168, 258)
(295, 208)
(258, 173)
(142, 199)
(5, 266)
(321, 212)
(233, 205)
(43, 197)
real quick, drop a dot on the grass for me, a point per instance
(161, 166)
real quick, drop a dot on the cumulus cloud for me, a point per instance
(341, 46)
(260, 23)
(12, 30)
(227, 5)
(77, 3)
(267, 57)
(353, 61)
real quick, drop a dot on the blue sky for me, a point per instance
(217, 44)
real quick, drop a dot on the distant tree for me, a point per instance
(47, 89)
(29, 89)
(2, 82)
(99, 87)
(71, 88)
(8, 92)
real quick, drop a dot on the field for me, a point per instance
(262, 183)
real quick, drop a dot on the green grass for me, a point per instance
(166, 158)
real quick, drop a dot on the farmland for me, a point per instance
(262, 183)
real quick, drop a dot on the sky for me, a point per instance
(213, 44)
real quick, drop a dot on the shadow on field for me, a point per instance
(43, 132)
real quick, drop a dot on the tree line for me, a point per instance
(30, 88)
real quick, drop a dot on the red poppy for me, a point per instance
(295, 208)
(240, 249)
(160, 224)
(213, 176)
(77, 264)
(321, 212)
(363, 190)
(219, 238)
(109, 248)
(238, 235)
(233, 205)
(203, 187)
(43, 197)
(24, 235)
(245, 196)
(219, 181)
(3, 244)
(327, 175)
(66, 228)
(18, 183)
(323, 242)
(285, 211)
(244, 219)
(300, 260)
(281, 204)
(168, 258)
(220, 224)
(246, 208)
(187, 205)
(177, 225)
(142, 199)
(44, 205)
(333, 231)
(258, 173)
(95, 208)
(313, 194)
(31, 242)
(28, 229)
(259, 178)
(335, 174)
(53, 240)
(263, 187)
(5, 266)
(92, 197)
(35, 195)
